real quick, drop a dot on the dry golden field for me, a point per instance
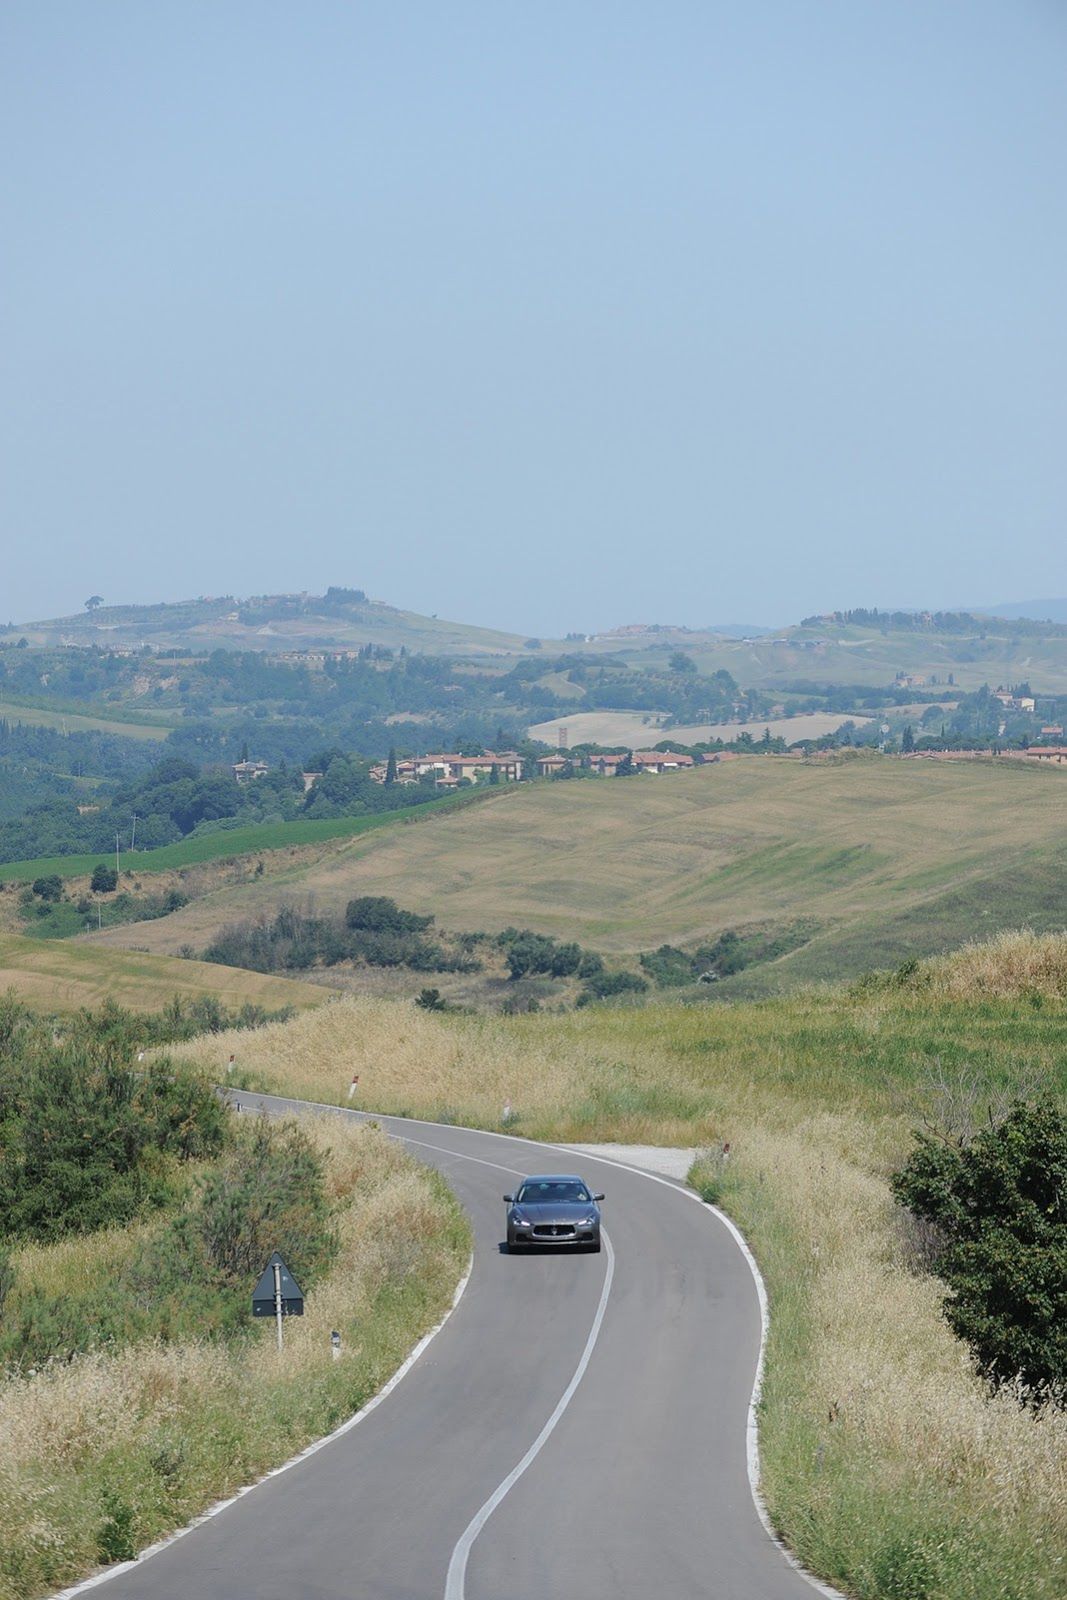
(882, 858)
(65, 974)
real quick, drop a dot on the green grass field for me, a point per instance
(881, 859)
(251, 840)
(82, 721)
(65, 975)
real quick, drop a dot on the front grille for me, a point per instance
(554, 1230)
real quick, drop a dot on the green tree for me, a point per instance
(390, 766)
(104, 879)
(999, 1204)
(907, 742)
(681, 663)
(49, 887)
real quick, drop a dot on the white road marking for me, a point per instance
(455, 1583)
(752, 1431)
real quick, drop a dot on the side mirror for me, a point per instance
(598, 1197)
(510, 1198)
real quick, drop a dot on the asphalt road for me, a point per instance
(643, 1355)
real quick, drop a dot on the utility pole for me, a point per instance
(116, 855)
(133, 831)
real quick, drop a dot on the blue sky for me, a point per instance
(546, 316)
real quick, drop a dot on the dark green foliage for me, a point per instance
(608, 985)
(668, 967)
(104, 879)
(999, 1203)
(115, 1540)
(373, 913)
(7, 1276)
(85, 1137)
(529, 953)
(431, 1000)
(48, 888)
(724, 957)
(375, 931)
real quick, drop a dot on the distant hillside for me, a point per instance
(1040, 610)
(339, 619)
(862, 647)
(846, 865)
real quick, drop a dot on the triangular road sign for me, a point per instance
(263, 1293)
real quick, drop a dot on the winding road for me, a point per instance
(577, 1428)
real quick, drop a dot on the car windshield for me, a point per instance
(552, 1191)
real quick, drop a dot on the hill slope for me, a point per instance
(63, 976)
(340, 619)
(871, 860)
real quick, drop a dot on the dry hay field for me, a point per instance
(884, 858)
(64, 975)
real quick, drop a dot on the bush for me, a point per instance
(606, 985)
(49, 887)
(104, 879)
(86, 1139)
(1000, 1203)
(374, 913)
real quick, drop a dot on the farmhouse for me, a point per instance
(247, 771)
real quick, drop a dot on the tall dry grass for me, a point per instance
(150, 1434)
(1014, 965)
(887, 1464)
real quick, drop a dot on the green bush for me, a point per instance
(607, 985)
(999, 1202)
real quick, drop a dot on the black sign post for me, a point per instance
(277, 1294)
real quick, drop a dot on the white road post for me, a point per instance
(278, 1300)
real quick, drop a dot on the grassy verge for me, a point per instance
(257, 837)
(108, 1452)
(886, 1465)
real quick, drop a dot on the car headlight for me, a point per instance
(588, 1222)
(518, 1218)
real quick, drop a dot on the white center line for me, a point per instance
(455, 1583)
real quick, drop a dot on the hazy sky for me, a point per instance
(550, 316)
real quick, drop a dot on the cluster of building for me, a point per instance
(449, 770)
(507, 767)
(1012, 701)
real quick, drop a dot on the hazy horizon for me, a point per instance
(545, 320)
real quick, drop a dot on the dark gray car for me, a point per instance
(554, 1209)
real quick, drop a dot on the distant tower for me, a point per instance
(561, 735)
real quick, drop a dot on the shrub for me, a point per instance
(375, 913)
(1000, 1203)
(49, 887)
(606, 985)
(104, 879)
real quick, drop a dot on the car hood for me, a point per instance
(557, 1210)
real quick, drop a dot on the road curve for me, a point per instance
(630, 1370)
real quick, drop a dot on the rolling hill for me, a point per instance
(859, 863)
(66, 975)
